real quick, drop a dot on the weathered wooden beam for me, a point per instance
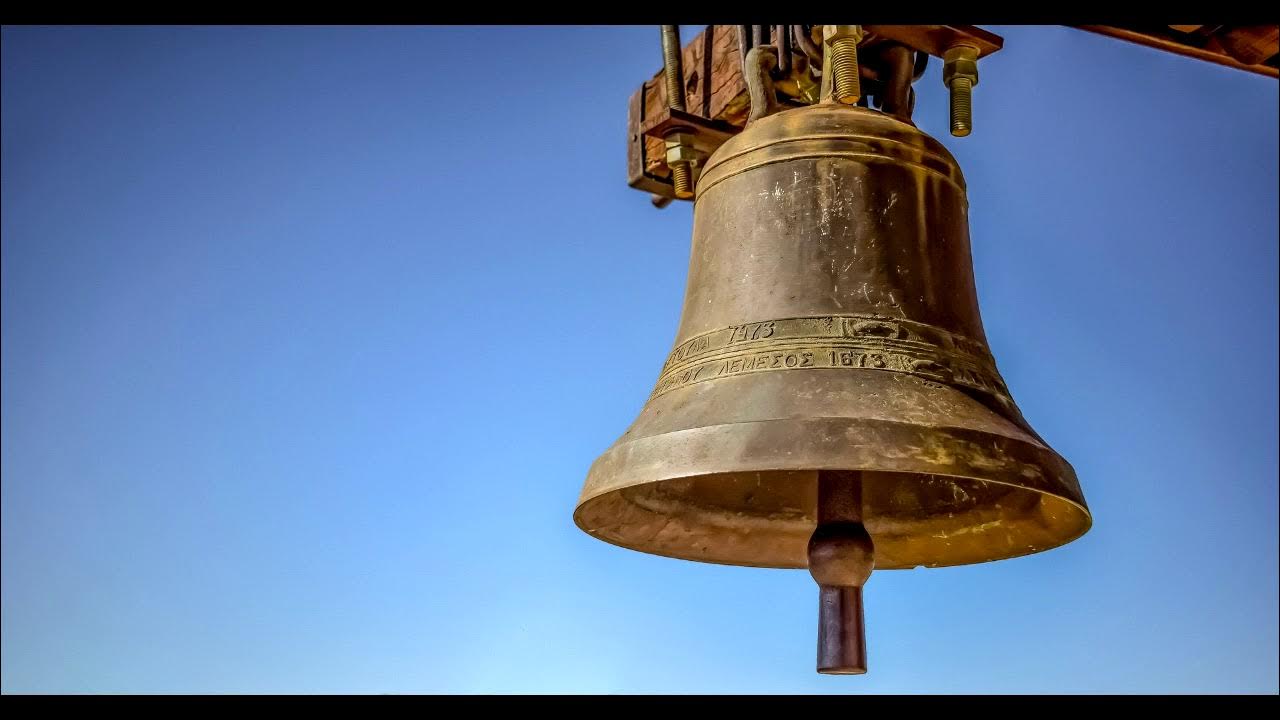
(714, 90)
(1231, 46)
(936, 39)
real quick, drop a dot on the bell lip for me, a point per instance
(1083, 516)
(1086, 527)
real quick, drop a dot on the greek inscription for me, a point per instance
(688, 350)
(927, 352)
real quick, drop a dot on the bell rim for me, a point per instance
(1065, 496)
(1086, 527)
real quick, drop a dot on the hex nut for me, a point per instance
(681, 154)
(835, 32)
(680, 149)
(960, 61)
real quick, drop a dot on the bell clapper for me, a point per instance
(841, 557)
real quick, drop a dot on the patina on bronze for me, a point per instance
(830, 401)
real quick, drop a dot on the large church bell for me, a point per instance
(830, 401)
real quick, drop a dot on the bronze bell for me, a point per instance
(830, 401)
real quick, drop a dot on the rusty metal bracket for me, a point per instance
(638, 176)
(707, 134)
(936, 39)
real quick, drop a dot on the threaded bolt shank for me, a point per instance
(961, 106)
(682, 180)
(960, 74)
(846, 84)
(842, 59)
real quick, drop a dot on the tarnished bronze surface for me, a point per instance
(831, 323)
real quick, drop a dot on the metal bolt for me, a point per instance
(842, 43)
(680, 158)
(960, 74)
(681, 177)
(671, 66)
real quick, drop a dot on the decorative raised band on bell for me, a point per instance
(839, 342)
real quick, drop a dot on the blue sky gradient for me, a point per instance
(311, 334)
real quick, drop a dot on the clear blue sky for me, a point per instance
(311, 334)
